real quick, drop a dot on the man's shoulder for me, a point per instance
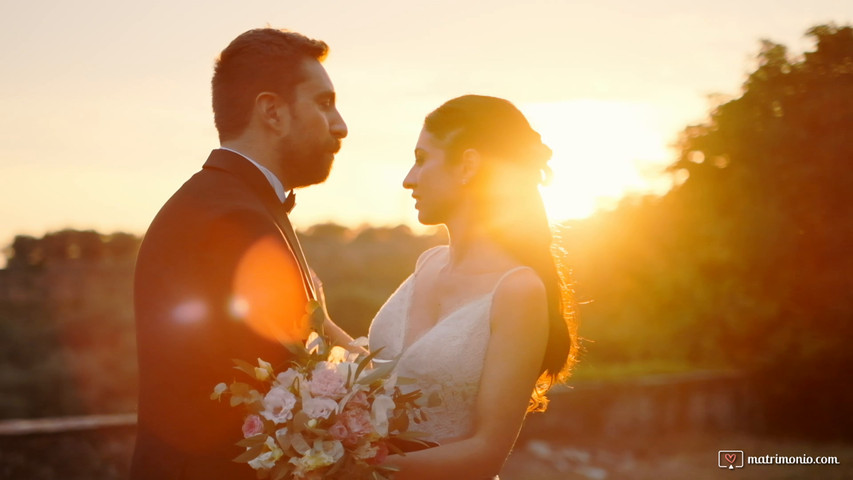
(212, 185)
(210, 192)
(206, 206)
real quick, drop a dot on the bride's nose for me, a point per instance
(411, 179)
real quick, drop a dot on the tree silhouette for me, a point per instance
(770, 185)
(747, 263)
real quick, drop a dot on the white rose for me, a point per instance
(383, 405)
(278, 405)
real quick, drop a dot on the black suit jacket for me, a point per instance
(216, 279)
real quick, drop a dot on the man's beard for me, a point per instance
(308, 166)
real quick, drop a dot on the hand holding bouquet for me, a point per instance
(330, 415)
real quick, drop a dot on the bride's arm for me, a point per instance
(516, 348)
(337, 335)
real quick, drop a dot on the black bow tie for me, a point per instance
(289, 202)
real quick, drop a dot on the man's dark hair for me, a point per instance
(260, 60)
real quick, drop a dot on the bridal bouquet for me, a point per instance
(330, 415)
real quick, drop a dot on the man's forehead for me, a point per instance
(314, 78)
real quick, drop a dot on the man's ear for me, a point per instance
(470, 165)
(273, 112)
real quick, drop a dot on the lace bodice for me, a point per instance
(445, 362)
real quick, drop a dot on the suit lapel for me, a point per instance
(284, 225)
(249, 174)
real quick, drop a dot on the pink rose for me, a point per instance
(318, 407)
(358, 424)
(252, 426)
(326, 382)
(338, 431)
(358, 400)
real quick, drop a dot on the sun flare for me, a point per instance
(603, 150)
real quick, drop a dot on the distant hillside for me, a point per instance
(67, 339)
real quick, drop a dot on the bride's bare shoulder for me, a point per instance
(520, 293)
(522, 282)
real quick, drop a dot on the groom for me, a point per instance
(220, 274)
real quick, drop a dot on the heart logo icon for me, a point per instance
(730, 459)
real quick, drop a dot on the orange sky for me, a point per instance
(106, 104)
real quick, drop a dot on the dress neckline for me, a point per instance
(473, 301)
(405, 348)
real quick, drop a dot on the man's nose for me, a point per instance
(337, 126)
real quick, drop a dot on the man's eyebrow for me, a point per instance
(325, 95)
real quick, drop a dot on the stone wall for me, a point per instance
(647, 407)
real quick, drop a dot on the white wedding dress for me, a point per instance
(445, 362)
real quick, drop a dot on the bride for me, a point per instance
(484, 325)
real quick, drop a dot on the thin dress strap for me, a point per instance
(427, 255)
(508, 273)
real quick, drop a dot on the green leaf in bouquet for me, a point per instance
(300, 421)
(377, 373)
(298, 442)
(250, 454)
(244, 367)
(399, 421)
(414, 436)
(406, 398)
(281, 471)
(335, 468)
(346, 398)
(253, 441)
(388, 468)
(393, 449)
(409, 442)
(296, 348)
(241, 393)
(384, 472)
(313, 432)
(364, 362)
(283, 439)
(350, 379)
(317, 320)
(312, 306)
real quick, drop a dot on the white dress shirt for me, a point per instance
(274, 181)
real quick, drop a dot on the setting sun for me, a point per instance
(603, 150)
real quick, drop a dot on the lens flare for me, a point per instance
(268, 292)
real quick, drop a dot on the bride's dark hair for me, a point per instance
(518, 164)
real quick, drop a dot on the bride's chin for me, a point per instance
(426, 220)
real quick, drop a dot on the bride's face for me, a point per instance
(436, 183)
